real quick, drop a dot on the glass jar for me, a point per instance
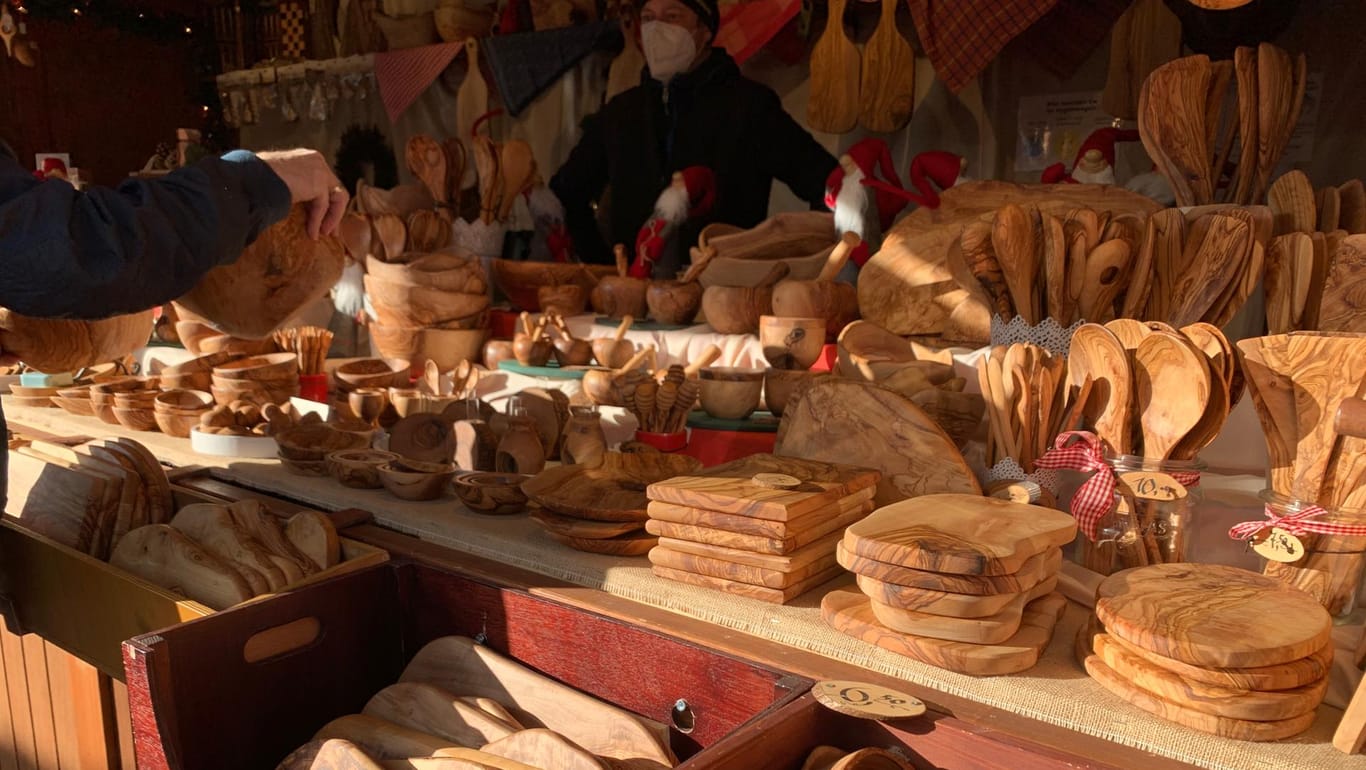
(1152, 516)
(520, 449)
(1330, 567)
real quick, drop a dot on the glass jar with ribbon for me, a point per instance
(1320, 551)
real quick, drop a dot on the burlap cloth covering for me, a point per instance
(1056, 690)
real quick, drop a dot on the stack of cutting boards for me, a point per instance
(956, 581)
(763, 526)
(1214, 648)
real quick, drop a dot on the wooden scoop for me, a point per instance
(1097, 354)
(427, 160)
(392, 235)
(517, 164)
(1172, 386)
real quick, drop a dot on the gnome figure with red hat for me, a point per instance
(690, 195)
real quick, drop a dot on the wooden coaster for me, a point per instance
(747, 525)
(1034, 571)
(1251, 705)
(959, 534)
(754, 543)
(1212, 615)
(730, 488)
(992, 629)
(819, 550)
(1238, 729)
(583, 528)
(850, 613)
(934, 602)
(740, 573)
(770, 595)
(866, 701)
(623, 545)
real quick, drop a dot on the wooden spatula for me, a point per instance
(1245, 70)
(1013, 240)
(835, 75)
(1174, 116)
(1173, 386)
(1291, 199)
(887, 88)
(1275, 96)
(1217, 262)
(1097, 354)
(1107, 273)
(1169, 238)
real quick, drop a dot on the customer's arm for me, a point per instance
(578, 184)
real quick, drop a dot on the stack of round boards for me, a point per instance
(1214, 648)
(957, 581)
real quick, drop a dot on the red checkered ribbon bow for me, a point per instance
(1096, 497)
(1298, 523)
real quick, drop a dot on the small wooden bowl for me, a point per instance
(29, 391)
(40, 402)
(372, 373)
(226, 343)
(102, 394)
(273, 366)
(730, 393)
(303, 467)
(195, 374)
(494, 494)
(135, 399)
(447, 347)
(413, 480)
(260, 396)
(315, 442)
(77, 406)
(781, 384)
(177, 424)
(674, 302)
(358, 468)
(182, 401)
(77, 392)
(618, 296)
(135, 419)
(791, 342)
(408, 401)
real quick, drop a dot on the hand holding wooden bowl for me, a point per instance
(731, 393)
(617, 296)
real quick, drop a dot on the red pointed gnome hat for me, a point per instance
(691, 193)
(931, 169)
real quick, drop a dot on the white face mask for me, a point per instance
(669, 49)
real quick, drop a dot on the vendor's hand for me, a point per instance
(311, 181)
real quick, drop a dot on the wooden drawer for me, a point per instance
(197, 703)
(88, 607)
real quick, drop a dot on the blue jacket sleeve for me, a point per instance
(71, 254)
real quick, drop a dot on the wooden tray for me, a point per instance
(111, 605)
(322, 651)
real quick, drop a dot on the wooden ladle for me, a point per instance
(1172, 392)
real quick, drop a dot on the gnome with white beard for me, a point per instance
(690, 195)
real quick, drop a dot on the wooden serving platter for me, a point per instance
(630, 544)
(992, 629)
(757, 544)
(662, 556)
(1251, 705)
(748, 525)
(959, 534)
(936, 602)
(802, 557)
(1035, 570)
(1212, 615)
(730, 488)
(583, 528)
(747, 590)
(1238, 729)
(612, 491)
(851, 613)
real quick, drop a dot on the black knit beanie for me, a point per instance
(707, 12)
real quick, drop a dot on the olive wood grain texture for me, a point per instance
(636, 543)
(991, 629)
(212, 527)
(748, 590)
(1095, 352)
(938, 602)
(820, 551)
(662, 556)
(887, 82)
(748, 525)
(1343, 307)
(432, 710)
(612, 491)
(1165, 365)
(835, 74)
(1034, 571)
(730, 488)
(164, 556)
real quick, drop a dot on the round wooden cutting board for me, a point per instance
(1212, 615)
(959, 534)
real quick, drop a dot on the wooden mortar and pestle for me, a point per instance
(569, 350)
(620, 295)
(531, 346)
(566, 299)
(677, 302)
(604, 386)
(497, 351)
(736, 309)
(823, 297)
(612, 352)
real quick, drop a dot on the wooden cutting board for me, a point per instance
(583, 528)
(959, 534)
(850, 613)
(992, 629)
(612, 491)
(160, 500)
(834, 104)
(122, 492)
(329, 752)
(840, 419)
(162, 555)
(1343, 308)
(1034, 571)
(747, 590)
(887, 87)
(936, 602)
(755, 543)
(432, 710)
(661, 556)
(457, 664)
(748, 525)
(631, 544)
(1212, 615)
(802, 557)
(1237, 729)
(1219, 701)
(64, 504)
(730, 488)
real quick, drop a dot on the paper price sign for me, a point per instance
(1150, 485)
(867, 701)
(1275, 544)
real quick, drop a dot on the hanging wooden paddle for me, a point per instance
(888, 80)
(471, 103)
(834, 101)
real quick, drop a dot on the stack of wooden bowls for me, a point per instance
(956, 581)
(27, 395)
(178, 410)
(304, 448)
(1214, 648)
(268, 379)
(370, 373)
(522, 281)
(763, 526)
(195, 374)
(432, 306)
(75, 400)
(102, 394)
(133, 408)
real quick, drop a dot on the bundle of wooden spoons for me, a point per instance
(1341, 208)
(1316, 282)
(1028, 402)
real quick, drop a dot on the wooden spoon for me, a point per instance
(1217, 261)
(517, 164)
(1097, 353)
(1129, 332)
(1291, 199)
(427, 160)
(1012, 238)
(1057, 302)
(1216, 410)
(1245, 69)
(392, 235)
(1107, 272)
(356, 235)
(1141, 275)
(1173, 387)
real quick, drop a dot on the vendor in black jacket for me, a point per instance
(693, 109)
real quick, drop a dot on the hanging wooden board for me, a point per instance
(992, 629)
(840, 419)
(938, 602)
(1207, 698)
(755, 543)
(748, 525)
(730, 488)
(740, 573)
(833, 107)
(471, 102)
(959, 534)
(819, 551)
(1237, 729)
(850, 613)
(1034, 571)
(760, 593)
(887, 87)
(1212, 615)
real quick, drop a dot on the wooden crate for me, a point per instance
(197, 703)
(88, 607)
